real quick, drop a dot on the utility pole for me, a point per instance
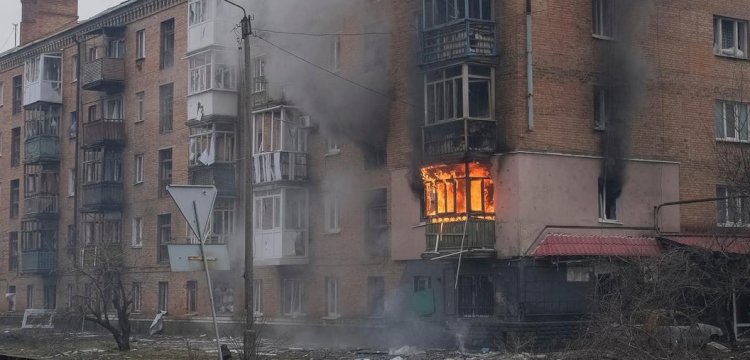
(246, 105)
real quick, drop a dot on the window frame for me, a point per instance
(166, 44)
(603, 204)
(139, 99)
(140, 44)
(136, 295)
(600, 19)
(163, 296)
(72, 182)
(739, 50)
(741, 207)
(166, 108)
(138, 163)
(258, 297)
(191, 292)
(332, 298)
(198, 12)
(332, 215)
(166, 169)
(296, 286)
(164, 226)
(461, 12)
(137, 232)
(721, 127)
(602, 108)
(13, 251)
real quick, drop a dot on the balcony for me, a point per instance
(40, 149)
(280, 247)
(102, 254)
(102, 132)
(41, 205)
(460, 137)
(38, 261)
(220, 175)
(103, 196)
(448, 236)
(458, 40)
(279, 166)
(104, 74)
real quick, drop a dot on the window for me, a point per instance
(140, 44)
(197, 12)
(609, 193)
(258, 296)
(375, 157)
(139, 101)
(69, 290)
(292, 297)
(101, 165)
(73, 129)
(332, 212)
(336, 53)
(332, 146)
(731, 121)
(15, 188)
(164, 226)
(29, 296)
(192, 296)
(259, 75)
(163, 296)
(332, 297)
(602, 107)
(733, 210)
(11, 296)
(1, 143)
(71, 236)
(74, 70)
(446, 190)
(136, 297)
(377, 209)
(17, 94)
(578, 274)
(211, 144)
(730, 37)
(50, 296)
(476, 296)
(376, 296)
(267, 210)
(71, 182)
(439, 12)
(138, 160)
(137, 236)
(101, 228)
(116, 48)
(93, 113)
(207, 71)
(603, 18)
(422, 283)
(92, 54)
(445, 93)
(2, 93)
(165, 171)
(222, 222)
(166, 97)
(113, 109)
(15, 146)
(13, 251)
(166, 53)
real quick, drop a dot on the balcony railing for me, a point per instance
(103, 74)
(44, 91)
(45, 148)
(280, 166)
(460, 136)
(458, 40)
(102, 196)
(222, 176)
(103, 131)
(38, 261)
(480, 234)
(41, 205)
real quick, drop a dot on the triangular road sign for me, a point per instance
(196, 202)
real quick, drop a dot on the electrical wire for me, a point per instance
(329, 34)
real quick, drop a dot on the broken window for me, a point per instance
(475, 295)
(731, 121)
(602, 107)
(445, 93)
(211, 144)
(461, 189)
(259, 75)
(163, 295)
(376, 296)
(377, 209)
(197, 11)
(192, 296)
(279, 130)
(439, 12)
(292, 297)
(332, 297)
(733, 209)
(603, 18)
(208, 71)
(730, 37)
(13, 251)
(609, 192)
(102, 228)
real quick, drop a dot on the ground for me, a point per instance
(50, 344)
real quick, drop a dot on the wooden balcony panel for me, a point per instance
(104, 74)
(480, 234)
(103, 131)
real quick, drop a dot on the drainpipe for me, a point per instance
(529, 69)
(79, 47)
(657, 208)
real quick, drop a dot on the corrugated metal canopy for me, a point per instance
(596, 245)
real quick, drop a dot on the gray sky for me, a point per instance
(10, 13)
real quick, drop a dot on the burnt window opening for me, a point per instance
(602, 107)
(733, 210)
(603, 14)
(101, 228)
(38, 235)
(476, 296)
(375, 157)
(451, 190)
(608, 193)
(102, 166)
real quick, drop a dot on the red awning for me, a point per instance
(732, 244)
(596, 245)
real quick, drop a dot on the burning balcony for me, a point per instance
(279, 166)
(104, 74)
(459, 40)
(41, 139)
(222, 176)
(460, 207)
(280, 232)
(38, 261)
(38, 243)
(43, 80)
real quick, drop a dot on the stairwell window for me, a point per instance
(602, 107)
(734, 210)
(166, 53)
(137, 232)
(166, 108)
(332, 213)
(730, 37)
(140, 44)
(139, 98)
(138, 169)
(731, 121)
(603, 18)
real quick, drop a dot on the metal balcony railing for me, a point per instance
(38, 261)
(45, 148)
(480, 234)
(103, 74)
(460, 136)
(41, 204)
(222, 176)
(458, 40)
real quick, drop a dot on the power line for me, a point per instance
(328, 34)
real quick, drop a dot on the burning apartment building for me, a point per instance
(431, 162)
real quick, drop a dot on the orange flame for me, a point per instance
(446, 189)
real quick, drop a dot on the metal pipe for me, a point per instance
(657, 208)
(529, 68)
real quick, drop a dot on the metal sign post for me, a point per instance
(188, 198)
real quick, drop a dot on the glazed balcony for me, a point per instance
(103, 196)
(104, 74)
(459, 137)
(41, 205)
(38, 261)
(448, 236)
(40, 149)
(280, 247)
(279, 166)
(459, 40)
(103, 132)
(222, 176)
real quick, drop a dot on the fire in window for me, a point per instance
(454, 191)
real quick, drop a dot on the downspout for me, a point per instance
(529, 69)
(78, 136)
(657, 208)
